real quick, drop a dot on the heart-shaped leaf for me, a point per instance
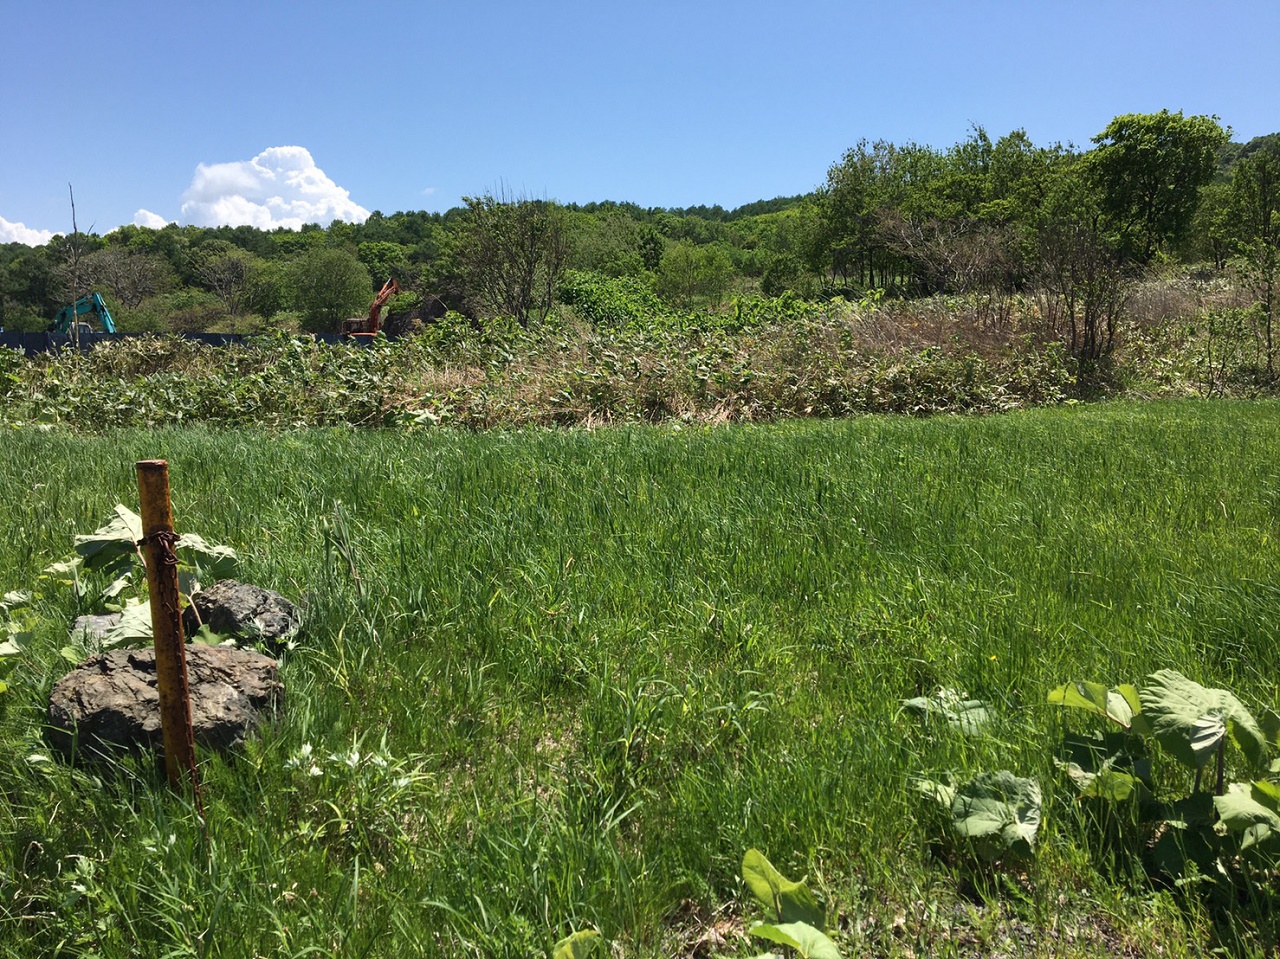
(1084, 757)
(1253, 810)
(786, 900)
(134, 628)
(969, 716)
(579, 945)
(1119, 704)
(15, 599)
(214, 562)
(1000, 808)
(808, 942)
(110, 542)
(942, 791)
(1191, 720)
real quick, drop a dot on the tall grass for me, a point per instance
(558, 679)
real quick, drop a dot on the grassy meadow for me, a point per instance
(553, 680)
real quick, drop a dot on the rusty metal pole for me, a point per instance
(159, 541)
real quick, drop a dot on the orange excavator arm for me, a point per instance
(389, 289)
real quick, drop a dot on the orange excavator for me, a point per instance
(366, 327)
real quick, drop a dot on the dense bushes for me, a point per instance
(609, 301)
(615, 355)
(482, 375)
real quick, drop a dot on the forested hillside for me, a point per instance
(987, 217)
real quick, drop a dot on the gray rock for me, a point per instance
(93, 628)
(111, 702)
(245, 612)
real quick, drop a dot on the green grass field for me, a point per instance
(578, 674)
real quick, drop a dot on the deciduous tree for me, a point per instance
(688, 272)
(1148, 169)
(511, 253)
(1255, 189)
(130, 276)
(226, 272)
(330, 285)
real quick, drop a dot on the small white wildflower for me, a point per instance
(300, 758)
(315, 770)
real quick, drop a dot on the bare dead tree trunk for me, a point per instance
(75, 270)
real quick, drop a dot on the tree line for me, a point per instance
(985, 217)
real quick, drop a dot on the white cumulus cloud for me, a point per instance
(153, 220)
(281, 186)
(21, 233)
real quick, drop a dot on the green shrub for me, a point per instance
(24, 319)
(612, 301)
(286, 321)
(185, 311)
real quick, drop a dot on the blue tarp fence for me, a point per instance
(33, 343)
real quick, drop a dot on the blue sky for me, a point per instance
(157, 111)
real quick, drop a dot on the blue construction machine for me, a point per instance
(70, 315)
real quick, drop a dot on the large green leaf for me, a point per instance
(999, 809)
(65, 570)
(1190, 720)
(117, 538)
(1120, 704)
(134, 628)
(1269, 723)
(1176, 850)
(969, 716)
(579, 945)
(11, 646)
(14, 636)
(1190, 812)
(808, 942)
(1113, 785)
(118, 585)
(1111, 765)
(941, 791)
(1253, 810)
(15, 599)
(1185, 836)
(786, 900)
(16, 633)
(214, 562)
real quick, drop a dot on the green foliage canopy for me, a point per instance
(1148, 169)
(328, 286)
